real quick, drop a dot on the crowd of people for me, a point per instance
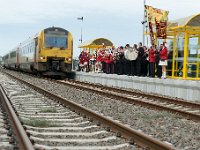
(136, 60)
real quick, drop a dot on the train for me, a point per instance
(48, 53)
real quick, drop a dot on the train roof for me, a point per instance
(33, 37)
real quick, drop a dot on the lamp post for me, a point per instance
(81, 39)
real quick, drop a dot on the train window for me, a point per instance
(13, 54)
(55, 41)
(6, 57)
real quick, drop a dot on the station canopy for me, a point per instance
(185, 36)
(191, 22)
(96, 43)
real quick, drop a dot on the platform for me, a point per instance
(184, 89)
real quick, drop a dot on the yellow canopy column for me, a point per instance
(185, 55)
(173, 57)
(198, 56)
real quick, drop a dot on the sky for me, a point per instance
(116, 20)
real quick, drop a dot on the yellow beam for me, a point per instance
(193, 27)
(173, 56)
(197, 75)
(199, 40)
(194, 32)
(185, 53)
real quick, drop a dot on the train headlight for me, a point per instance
(42, 58)
(68, 59)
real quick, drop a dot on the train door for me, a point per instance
(36, 48)
(17, 58)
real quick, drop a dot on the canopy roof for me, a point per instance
(96, 43)
(192, 21)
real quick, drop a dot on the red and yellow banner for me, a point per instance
(156, 14)
(157, 17)
(161, 29)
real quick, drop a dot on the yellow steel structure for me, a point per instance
(92, 45)
(185, 37)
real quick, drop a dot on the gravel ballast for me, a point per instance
(181, 133)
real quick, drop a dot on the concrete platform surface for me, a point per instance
(184, 89)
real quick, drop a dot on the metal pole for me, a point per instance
(81, 35)
(82, 30)
(81, 39)
(143, 39)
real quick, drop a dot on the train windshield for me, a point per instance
(59, 41)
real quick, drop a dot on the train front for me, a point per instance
(55, 50)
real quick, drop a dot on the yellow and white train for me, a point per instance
(48, 53)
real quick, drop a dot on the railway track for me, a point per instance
(29, 107)
(186, 109)
(12, 133)
(5, 140)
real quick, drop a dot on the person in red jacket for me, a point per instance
(163, 59)
(98, 64)
(83, 61)
(108, 60)
(152, 62)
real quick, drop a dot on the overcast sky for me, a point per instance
(117, 20)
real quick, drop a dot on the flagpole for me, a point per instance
(143, 38)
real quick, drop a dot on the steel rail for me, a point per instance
(185, 114)
(132, 135)
(163, 99)
(23, 141)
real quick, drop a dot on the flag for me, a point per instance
(156, 14)
(161, 29)
(157, 19)
(151, 34)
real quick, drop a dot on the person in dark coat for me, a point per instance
(145, 62)
(121, 60)
(139, 59)
(169, 65)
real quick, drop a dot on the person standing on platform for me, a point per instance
(103, 53)
(108, 60)
(145, 62)
(98, 64)
(152, 62)
(139, 59)
(116, 62)
(131, 56)
(84, 59)
(92, 62)
(133, 60)
(121, 60)
(127, 61)
(157, 59)
(163, 60)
